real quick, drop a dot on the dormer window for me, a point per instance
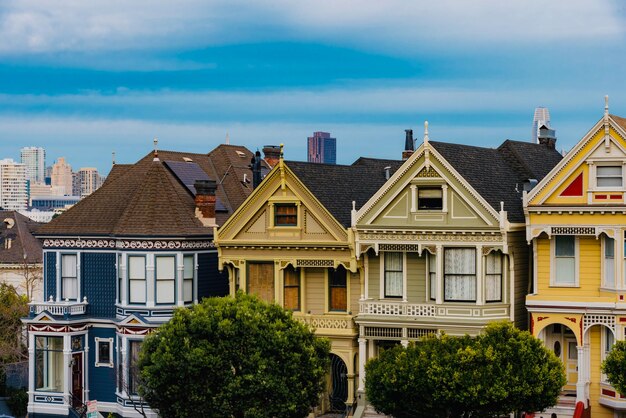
(430, 198)
(285, 214)
(609, 176)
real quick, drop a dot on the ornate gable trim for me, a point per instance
(127, 244)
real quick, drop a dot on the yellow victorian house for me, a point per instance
(290, 243)
(576, 223)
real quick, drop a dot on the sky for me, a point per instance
(84, 79)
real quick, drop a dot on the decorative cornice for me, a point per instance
(57, 328)
(430, 237)
(128, 244)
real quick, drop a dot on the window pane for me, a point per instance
(609, 182)
(137, 267)
(461, 288)
(565, 270)
(460, 261)
(430, 199)
(609, 262)
(609, 247)
(68, 265)
(165, 291)
(69, 288)
(165, 268)
(493, 284)
(133, 371)
(393, 274)
(432, 275)
(49, 364)
(430, 192)
(564, 246)
(493, 263)
(188, 267)
(338, 292)
(188, 291)
(104, 352)
(137, 291)
(286, 215)
(610, 171)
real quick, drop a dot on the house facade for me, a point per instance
(290, 243)
(575, 224)
(116, 265)
(442, 244)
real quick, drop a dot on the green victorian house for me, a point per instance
(443, 246)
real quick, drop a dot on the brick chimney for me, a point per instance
(205, 201)
(547, 137)
(408, 144)
(272, 154)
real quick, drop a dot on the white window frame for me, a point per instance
(382, 277)
(609, 164)
(157, 280)
(129, 280)
(193, 277)
(604, 263)
(501, 274)
(431, 269)
(98, 340)
(477, 260)
(553, 282)
(76, 277)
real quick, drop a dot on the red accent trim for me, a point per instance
(541, 318)
(532, 324)
(622, 319)
(615, 196)
(607, 392)
(600, 196)
(621, 297)
(571, 319)
(622, 397)
(575, 188)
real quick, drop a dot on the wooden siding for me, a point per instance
(416, 278)
(315, 290)
(520, 251)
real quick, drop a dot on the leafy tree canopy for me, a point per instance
(614, 366)
(233, 357)
(501, 371)
(13, 307)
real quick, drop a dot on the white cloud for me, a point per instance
(35, 26)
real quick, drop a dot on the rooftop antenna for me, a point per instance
(113, 157)
(425, 131)
(156, 151)
(227, 139)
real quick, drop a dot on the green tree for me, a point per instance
(501, 371)
(233, 357)
(614, 366)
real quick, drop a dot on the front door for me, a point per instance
(571, 362)
(339, 384)
(77, 380)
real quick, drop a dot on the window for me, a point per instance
(120, 278)
(609, 262)
(430, 199)
(104, 352)
(609, 176)
(188, 273)
(432, 275)
(460, 274)
(165, 275)
(292, 289)
(493, 277)
(133, 370)
(137, 279)
(565, 260)
(572, 351)
(49, 364)
(69, 277)
(609, 340)
(393, 275)
(285, 215)
(338, 289)
(260, 280)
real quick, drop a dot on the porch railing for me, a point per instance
(64, 308)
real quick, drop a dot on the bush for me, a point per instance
(17, 401)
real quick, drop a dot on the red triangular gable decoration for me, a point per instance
(575, 188)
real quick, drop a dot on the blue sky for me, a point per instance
(86, 78)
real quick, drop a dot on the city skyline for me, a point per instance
(86, 80)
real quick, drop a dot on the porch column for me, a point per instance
(31, 368)
(362, 356)
(180, 269)
(581, 384)
(439, 274)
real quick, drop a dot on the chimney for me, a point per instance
(408, 144)
(272, 154)
(547, 137)
(255, 165)
(387, 172)
(205, 201)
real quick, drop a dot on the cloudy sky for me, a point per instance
(85, 78)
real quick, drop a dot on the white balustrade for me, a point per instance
(59, 307)
(397, 308)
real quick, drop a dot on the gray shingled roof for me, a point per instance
(336, 186)
(498, 175)
(19, 229)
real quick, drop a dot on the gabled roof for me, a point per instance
(147, 199)
(19, 229)
(498, 175)
(337, 186)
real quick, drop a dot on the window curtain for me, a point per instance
(460, 274)
(493, 277)
(393, 274)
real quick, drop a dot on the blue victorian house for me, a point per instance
(116, 265)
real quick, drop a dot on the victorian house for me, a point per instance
(291, 243)
(576, 219)
(116, 265)
(442, 243)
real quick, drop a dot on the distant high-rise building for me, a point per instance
(34, 158)
(322, 148)
(89, 180)
(13, 185)
(62, 176)
(541, 118)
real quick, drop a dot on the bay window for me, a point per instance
(133, 369)
(188, 274)
(609, 262)
(292, 289)
(165, 275)
(137, 279)
(460, 274)
(493, 277)
(564, 260)
(120, 278)
(393, 274)
(69, 277)
(49, 364)
(432, 275)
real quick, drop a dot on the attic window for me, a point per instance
(240, 154)
(430, 198)
(609, 176)
(285, 214)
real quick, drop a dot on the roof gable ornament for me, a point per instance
(426, 145)
(607, 137)
(113, 158)
(156, 151)
(281, 166)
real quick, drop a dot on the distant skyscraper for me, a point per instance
(542, 117)
(62, 176)
(13, 185)
(34, 158)
(90, 180)
(322, 148)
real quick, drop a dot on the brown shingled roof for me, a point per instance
(20, 232)
(619, 120)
